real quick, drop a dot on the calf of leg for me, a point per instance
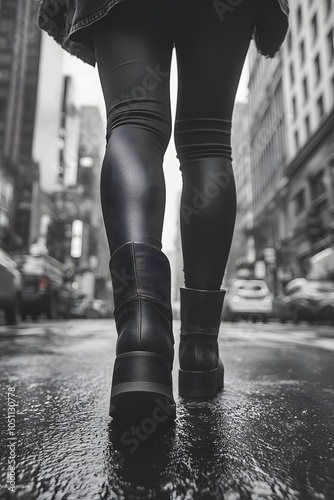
(133, 59)
(210, 51)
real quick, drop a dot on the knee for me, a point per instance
(197, 138)
(148, 116)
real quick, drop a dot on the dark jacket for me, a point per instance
(64, 20)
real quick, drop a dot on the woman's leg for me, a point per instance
(133, 49)
(210, 55)
(133, 52)
(211, 44)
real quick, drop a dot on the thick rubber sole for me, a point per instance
(201, 384)
(142, 388)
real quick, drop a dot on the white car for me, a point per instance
(10, 287)
(247, 298)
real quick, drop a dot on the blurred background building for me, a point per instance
(308, 77)
(19, 58)
(50, 152)
(291, 104)
(242, 254)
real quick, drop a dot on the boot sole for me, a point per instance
(142, 388)
(201, 384)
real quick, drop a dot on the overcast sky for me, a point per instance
(88, 91)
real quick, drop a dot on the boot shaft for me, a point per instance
(200, 321)
(201, 311)
(140, 269)
(141, 278)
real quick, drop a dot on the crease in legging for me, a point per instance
(125, 63)
(141, 114)
(199, 138)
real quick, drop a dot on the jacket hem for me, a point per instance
(73, 41)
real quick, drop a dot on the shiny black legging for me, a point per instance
(133, 48)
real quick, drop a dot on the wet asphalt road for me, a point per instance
(268, 435)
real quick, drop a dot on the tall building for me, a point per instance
(268, 150)
(27, 183)
(27, 126)
(15, 37)
(242, 250)
(28, 104)
(308, 70)
(75, 230)
(91, 153)
(48, 112)
(67, 195)
(267, 138)
(40, 130)
(14, 40)
(308, 75)
(292, 136)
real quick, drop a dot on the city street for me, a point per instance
(142, 180)
(268, 435)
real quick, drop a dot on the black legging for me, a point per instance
(133, 48)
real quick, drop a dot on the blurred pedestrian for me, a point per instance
(132, 43)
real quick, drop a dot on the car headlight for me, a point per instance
(268, 298)
(236, 298)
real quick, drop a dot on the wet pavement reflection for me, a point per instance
(268, 435)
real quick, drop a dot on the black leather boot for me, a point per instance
(201, 370)
(142, 376)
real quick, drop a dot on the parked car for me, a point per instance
(10, 288)
(45, 289)
(307, 300)
(248, 299)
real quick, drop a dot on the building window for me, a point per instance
(305, 89)
(296, 139)
(300, 201)
(299, 16)
(318, 185)
(331, 171)
(292, 73)
(4, 42)
(314, 24)
(3, 108)
(320, 105)
(6, 58)
(4, 75)
(330, 45)
(317, 69)
(302, 52)
(294, 107)
(307, 126)
(328, 6)
(7, 25)
(289, 41)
